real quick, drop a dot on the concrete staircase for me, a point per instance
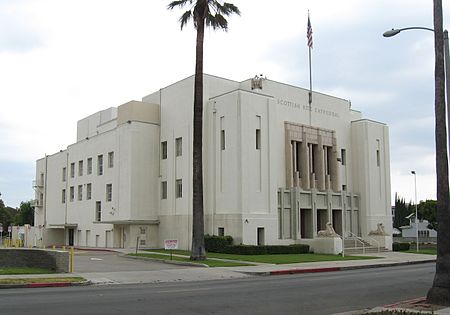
(358, 246)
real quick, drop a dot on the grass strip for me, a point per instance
(425, 251)
(208, 262)
(41, 280)
(274, 259)
(24, 271)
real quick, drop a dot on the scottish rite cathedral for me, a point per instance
(277, 169)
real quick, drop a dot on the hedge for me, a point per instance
(215, 244)
(397, 247)
(266, 249)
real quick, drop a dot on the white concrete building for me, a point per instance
(275, 169)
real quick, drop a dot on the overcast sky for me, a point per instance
(62, 60)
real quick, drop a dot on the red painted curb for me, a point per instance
(49, 284)
(311, 270)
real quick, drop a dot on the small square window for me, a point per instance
(72, 193)
(80, 192)
(98, 212)
(111, 159)
(164, 190)
(72, 170)
(164, 150)
(179, 146)
(378, 157)
(221, 231)
(258, 139)
(108, 192)
(222, 139)
(179, 188)
(80, 168)
(88, 191)
(89, 166)
(343, 157)
(100, 165)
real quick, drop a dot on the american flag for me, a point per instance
(309, 34)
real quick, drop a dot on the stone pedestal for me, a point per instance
(328, 245)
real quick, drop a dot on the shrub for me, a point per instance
(266, 250)
(216, 244)
(397, 247)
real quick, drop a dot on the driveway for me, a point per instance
(104, 261)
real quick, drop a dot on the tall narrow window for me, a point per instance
(179, 146)
(64, 174)
(72, 193)
(88, 191)
(89, 166)
(221, 231)
(222, 139)
(80, 168)
(98, 211)
(100, 165)
(258, 139)
(343, 157)
(63, 196)
(164, 150)
(164, 190)
(80, 192)
(179, 188)
(72, 170)
(111, 159)
(378, 157)
(108, 192)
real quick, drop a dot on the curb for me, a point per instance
(166, 261)
(333, 269)
(44, 285)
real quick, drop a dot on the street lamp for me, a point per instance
(417, 218)
(395, 31)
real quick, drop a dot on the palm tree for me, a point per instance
(211, 13)
(440, 291)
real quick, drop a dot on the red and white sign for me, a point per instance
(170, 244)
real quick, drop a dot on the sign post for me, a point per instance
(10, 235)
(170, 245)
(1, 234)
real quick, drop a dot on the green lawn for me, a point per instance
(209, 262)
(427, 251)
(24, 271)
(274, 259)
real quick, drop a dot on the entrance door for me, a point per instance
(71, 236)
(260, 236)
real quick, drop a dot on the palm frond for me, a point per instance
(216, 21)
(184, 19)
(178, 3)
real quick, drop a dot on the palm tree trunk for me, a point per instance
(198, 243)
(440, 291)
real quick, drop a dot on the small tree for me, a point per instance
(25, 215)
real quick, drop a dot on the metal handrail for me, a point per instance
(357, 238)
(378, 243)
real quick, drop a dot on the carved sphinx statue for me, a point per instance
(379, 231)
(328, 232)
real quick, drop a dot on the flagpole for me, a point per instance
(310, 45)
(310, 86)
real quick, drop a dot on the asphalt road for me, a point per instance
(324, 293)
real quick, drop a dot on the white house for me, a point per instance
(422, 229)
(276, 169)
